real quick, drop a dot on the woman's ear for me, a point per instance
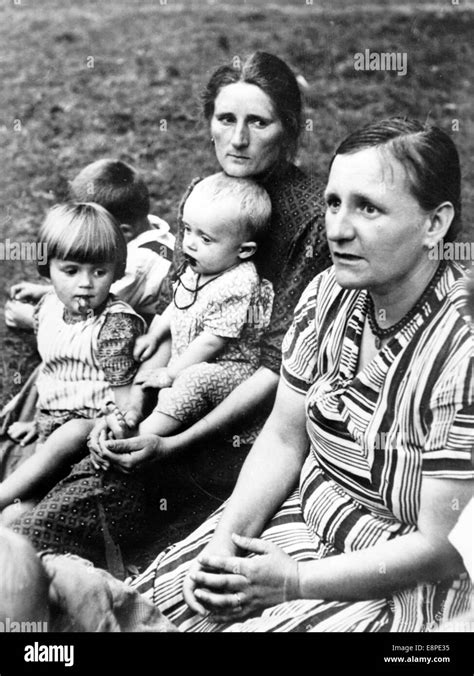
(247, 249)
(440, 220)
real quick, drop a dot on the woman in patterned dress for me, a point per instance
(253, 109)
(254, 112)
(340, 516)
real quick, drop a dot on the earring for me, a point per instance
(213, 140)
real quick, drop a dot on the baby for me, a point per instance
(220, 306)
(24, 583)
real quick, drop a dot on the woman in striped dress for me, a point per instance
(340, 517)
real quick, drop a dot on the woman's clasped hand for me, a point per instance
(110, 446)
(228, 586)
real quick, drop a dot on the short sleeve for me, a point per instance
(126, 287)
(228, 313)
(300, 344)
(449, 448)
(115, 347)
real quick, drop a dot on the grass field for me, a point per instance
(84, 80)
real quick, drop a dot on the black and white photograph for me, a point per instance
(236, 334)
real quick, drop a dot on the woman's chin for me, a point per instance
(238, 172)
(348, 279)
(237, 169)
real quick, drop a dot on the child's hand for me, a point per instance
(19, 315)
(145, 347)
(24, 432)
(156, 378)
(27, 291)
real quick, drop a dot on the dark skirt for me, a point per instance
(89, 513)
(102, 516)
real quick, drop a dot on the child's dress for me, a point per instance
(82, 359)
(237, 306)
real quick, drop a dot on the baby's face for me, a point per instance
(212, 234)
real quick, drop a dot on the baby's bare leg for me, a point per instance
(160, 424)
(41, 470)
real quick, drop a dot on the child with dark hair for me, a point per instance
(85, 339)
(119, 188)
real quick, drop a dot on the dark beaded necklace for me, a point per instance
(193, 291)
(381, 334)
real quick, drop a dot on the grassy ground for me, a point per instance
(83, 80)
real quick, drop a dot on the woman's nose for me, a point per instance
(240, 137)
(339, 225)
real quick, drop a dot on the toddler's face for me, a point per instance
(81, 286)
(212, 235)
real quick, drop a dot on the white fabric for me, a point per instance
(146, 268)
(462, 537)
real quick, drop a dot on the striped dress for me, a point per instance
(374, 435)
